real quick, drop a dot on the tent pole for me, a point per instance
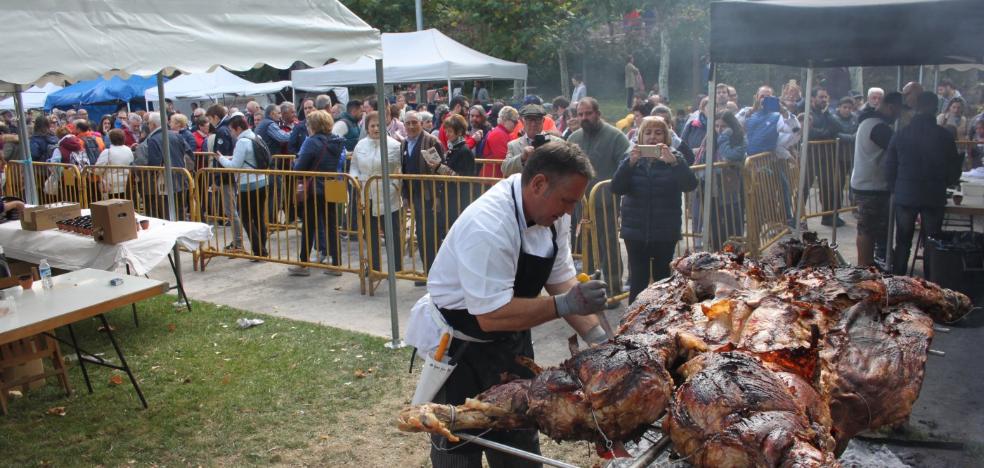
(804, 148)
(921, 75)
(168, 178)
(391, 239)
(30, 195)
(419, 8)
(936, 77)
(890, 242)
(709, 142)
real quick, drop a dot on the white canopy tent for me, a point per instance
(33, 98)
(212, 85)
(412, 57)
(83, 40)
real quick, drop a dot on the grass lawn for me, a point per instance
(282, 393)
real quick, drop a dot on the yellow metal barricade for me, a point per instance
(727, 221)
(57, 182)
(481, 164)
(428, 206)
(605, 250)
(14, 180)
(268, 222)
(146, 187)
(769, 200)
(828, 167)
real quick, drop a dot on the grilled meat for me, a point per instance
(781, 363)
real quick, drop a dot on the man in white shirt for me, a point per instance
(503, 250)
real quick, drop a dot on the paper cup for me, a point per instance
(432, 378)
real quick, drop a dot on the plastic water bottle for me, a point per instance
(45, 269)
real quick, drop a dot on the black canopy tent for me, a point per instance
(831, 33)
(838, 33)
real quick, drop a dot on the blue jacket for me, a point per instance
(155, 154)
(651, 203)
(271, 134)
(761, 132)
(188, 138)
(297, 136)
(921, 162)
(41, 147)
(694, 131)
(320, 153)
(224, 143)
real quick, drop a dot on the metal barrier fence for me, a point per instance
(424, 207)
(145, 186)
(828, 165)
(603, 248)
(768, 179)
(727, 209)
(492, 164)
(271, 219)
(54, 182)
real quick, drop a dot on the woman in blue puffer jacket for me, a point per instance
(652, 184)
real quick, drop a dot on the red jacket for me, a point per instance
(496, 146)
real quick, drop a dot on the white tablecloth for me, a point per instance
(70, 251)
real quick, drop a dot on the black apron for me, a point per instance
(481, 365)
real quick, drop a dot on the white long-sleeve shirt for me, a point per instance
(365, 163)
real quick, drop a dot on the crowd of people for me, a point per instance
(647, 155)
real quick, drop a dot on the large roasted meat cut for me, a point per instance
(772, 363)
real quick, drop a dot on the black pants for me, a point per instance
(318, 214)
(646, 257)
(180, 206)
(427, 224)
(252, 204)
(373, 234)
(479, 368)
(727, 220)
(629, 94)
(905, 226)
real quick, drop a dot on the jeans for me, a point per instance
(905, 225)
(251, 211)
(646, 257)
(316, 215)
(373, 234)
(230, 211)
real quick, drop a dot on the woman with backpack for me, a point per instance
(249, 153)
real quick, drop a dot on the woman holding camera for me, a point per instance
(652, 181)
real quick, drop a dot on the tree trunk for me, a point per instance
(696, 68)
(565, 82)
(664, 60)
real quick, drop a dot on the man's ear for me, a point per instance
(540, 184)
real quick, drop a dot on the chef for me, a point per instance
(502, 252)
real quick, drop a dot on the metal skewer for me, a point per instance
(514, 451)
(937, 352)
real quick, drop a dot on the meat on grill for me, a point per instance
(781, 363)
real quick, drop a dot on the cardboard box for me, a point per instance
(43, 217)
(113, 221)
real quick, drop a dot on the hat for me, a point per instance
(532, 99)
(532, 110)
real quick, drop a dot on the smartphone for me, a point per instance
(770, 104)
(648, 151)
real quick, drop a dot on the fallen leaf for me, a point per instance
(116, 379)
(273, 335)
(359, 373)
(57, 411)
(324, 437)
(226, 379)
(171, 327)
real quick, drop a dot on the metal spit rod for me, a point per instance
(652, 453)
(514, 451)
(937, 352)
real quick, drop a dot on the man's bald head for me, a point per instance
(911, 92)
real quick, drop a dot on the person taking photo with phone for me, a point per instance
(519, 150)
(651, 180)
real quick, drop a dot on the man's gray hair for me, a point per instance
(425, 116)
(874, 90)
(270, 109)
(411, 115)
(286, 105)
(661, 109)
(154, 119)
(322, 102)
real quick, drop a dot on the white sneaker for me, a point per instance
(298, 270)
